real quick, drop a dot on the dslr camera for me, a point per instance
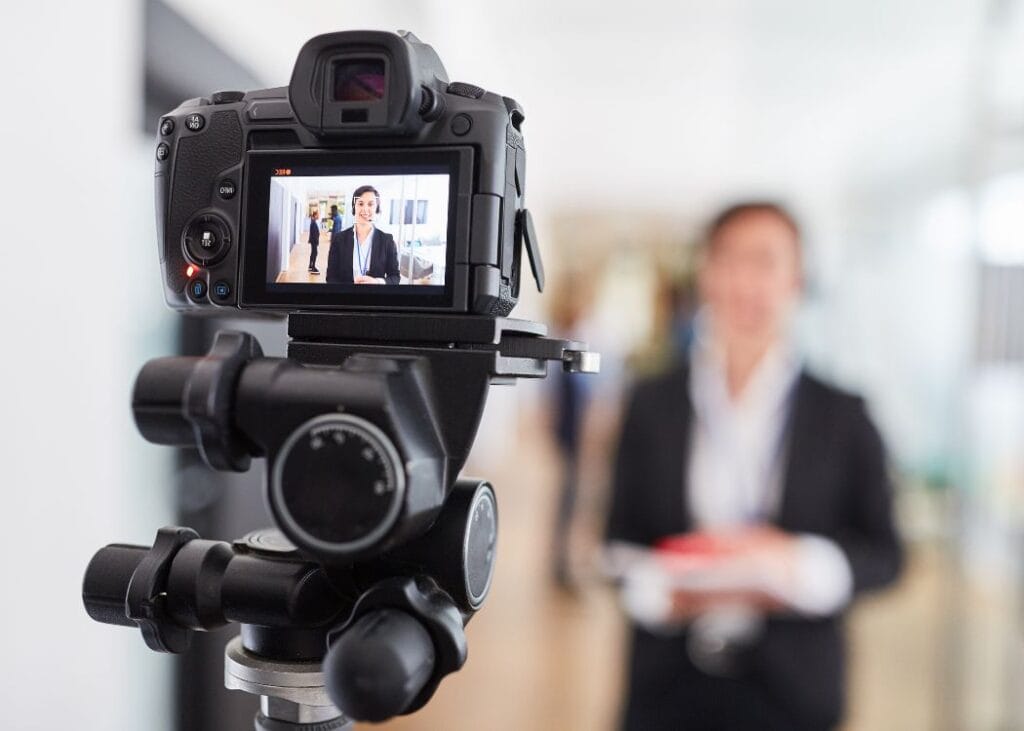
(257, 192)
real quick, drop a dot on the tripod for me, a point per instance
(354, 608)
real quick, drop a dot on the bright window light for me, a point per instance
(1001, 220)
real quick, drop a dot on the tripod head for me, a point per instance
(357, 602)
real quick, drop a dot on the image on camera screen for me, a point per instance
(372, 230)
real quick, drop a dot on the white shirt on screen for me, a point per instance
(361, 254)
(737, 459)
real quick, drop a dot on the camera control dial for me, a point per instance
(206, 240)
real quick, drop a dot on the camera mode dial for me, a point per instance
(337, 486)
(206, 240)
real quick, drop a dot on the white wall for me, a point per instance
(81, 310)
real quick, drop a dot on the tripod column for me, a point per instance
(292, 694)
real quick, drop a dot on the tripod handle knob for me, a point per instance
(403, 636)
(188, 401)
(379, 665)
(157, 402)
(106, 582)
(127, 585)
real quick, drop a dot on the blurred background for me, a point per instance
(894, 129)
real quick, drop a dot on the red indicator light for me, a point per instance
(190, 271)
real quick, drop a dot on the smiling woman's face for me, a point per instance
(366, 207)
(751, 277)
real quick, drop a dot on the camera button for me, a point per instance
(221, 290)
(166, 126)
(195, 122)
(461, 124)
(226, 189)
(206, 240)
(461, 88)
(227, 97)
(162, 151)
(196, 289)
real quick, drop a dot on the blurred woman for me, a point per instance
(776, 483)
(362, 253)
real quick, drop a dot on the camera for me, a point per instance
(369, 183)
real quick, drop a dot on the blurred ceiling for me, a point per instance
(681, 104)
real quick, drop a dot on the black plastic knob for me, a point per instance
(106, 583)
(377, 667)
(402, 637)
(187, 402)
(157, 401)
(127, 585)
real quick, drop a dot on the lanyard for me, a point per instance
(369, 238)
(755, 473)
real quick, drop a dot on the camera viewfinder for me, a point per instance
(359, 80)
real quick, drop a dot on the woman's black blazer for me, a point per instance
(383, 257)
(836, 485)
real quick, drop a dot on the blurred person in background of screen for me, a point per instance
(751, 502)
(335, 220)
(314, 239)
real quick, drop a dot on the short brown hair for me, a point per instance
(745, 208)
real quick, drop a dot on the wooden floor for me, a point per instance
(539, 659)
(298, 262)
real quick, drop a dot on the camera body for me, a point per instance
(246, 183)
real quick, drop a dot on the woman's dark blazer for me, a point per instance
(383, 257)
(836, 485)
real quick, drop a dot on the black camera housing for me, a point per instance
(216, 155)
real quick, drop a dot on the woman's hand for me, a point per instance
(763, 550)
(773, 551)
(363, 279)
(688, 605)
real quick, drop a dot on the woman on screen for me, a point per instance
(363, 254)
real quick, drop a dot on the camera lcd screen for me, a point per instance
(369, 230)
(352, 229)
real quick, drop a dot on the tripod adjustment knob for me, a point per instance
(403, 636)
(188, 402)
(389, 647)
(337, 487)
(127, 585)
